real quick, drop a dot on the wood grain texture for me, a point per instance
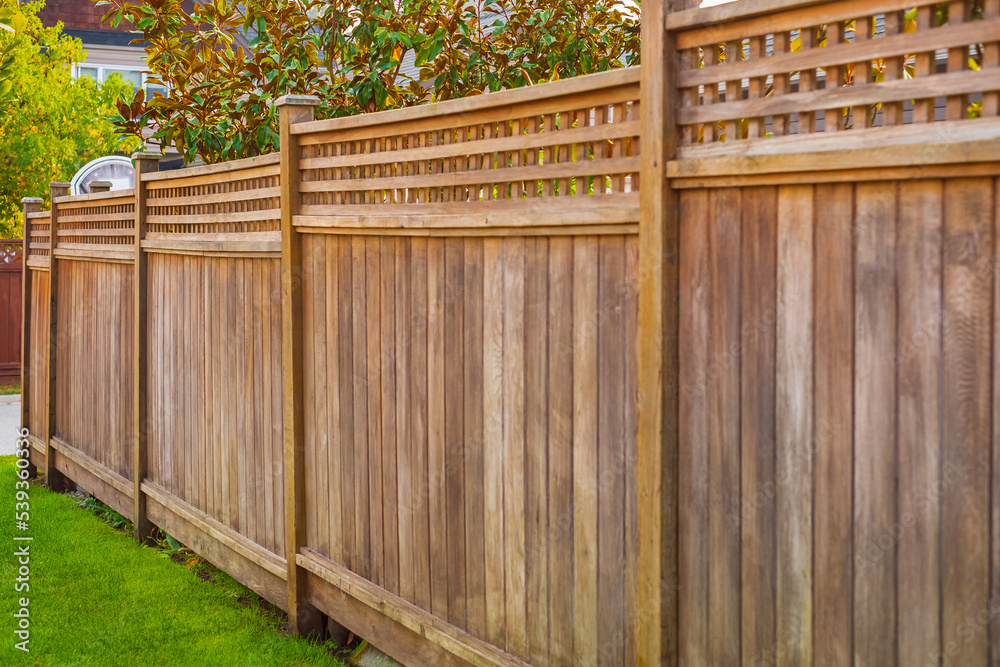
(875, 457)
(794, 423)
(834, 406)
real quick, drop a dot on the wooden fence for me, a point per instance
(449, 376)
(11, 263)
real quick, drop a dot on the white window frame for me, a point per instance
(103, 70)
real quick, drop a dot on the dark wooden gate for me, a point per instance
(11, 263)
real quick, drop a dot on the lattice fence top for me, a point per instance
(235, 197)
(502, 151)
(838, 66)
(97, 220)
(40, 225)
(10, 252)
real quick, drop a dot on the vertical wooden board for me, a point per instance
(874, 425)
(373, 384)
(493, 452)
(994, 625)
(695, 285)
(560, 426)
(834, 450)
(248, 496)
(630, 458)
(754, 519)
(345, 330)
(261, 396)
(277, 441)
(320, 502)
(918, 280)
(390, 507)
(419, 425)
(794, 422)
(724, 425)
(437, 474)
(475, 553)
(610, 452)
(406, 498)
(206, 312)
(311, 394)
(267, 397)
(362, 520)
(514, 443)
(536, 445)
(586, 470)
(335, 446)
(219, 396)
(965, 454)
(454, 436)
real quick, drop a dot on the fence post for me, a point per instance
(53, 479)
(30, 205)
(658, 339)
(141, 526)
(302, 617)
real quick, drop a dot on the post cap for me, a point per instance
(31, 200)
(147, 155)
(297, 101)
(59, 184)
(100, 186)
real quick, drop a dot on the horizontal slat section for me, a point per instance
(856, 158)
(504, 175)
(246, 164)
(212, 178)
(38, 263)
(218, 198)
(110, 198)
(532, 95)
(452, 639)
(97, 253)
(228, 537)
(128, 216)
(816, 100)
(94, 467)
(269, 242)
(897, 45)
(93, 232)
(40, 215)
(606, 131)
(214, 218)
(792, 19)
(606, 209)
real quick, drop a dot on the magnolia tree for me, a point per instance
(50, 123)
(223, 63)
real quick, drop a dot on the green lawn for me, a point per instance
(7, 389)
(97, 598)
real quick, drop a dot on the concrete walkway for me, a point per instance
(10, 422)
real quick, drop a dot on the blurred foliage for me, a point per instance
(50, 123)
(224, 63)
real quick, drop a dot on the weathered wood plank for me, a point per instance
(755, 516)
(875, 457)
(965, 458)
(794, 423)
(919, 280)
(834, 450)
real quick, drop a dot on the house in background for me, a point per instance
(108, 49)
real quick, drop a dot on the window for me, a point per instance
(137, 77)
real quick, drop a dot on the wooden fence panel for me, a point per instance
(458, 330)
(11, 267)
(215, 470)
